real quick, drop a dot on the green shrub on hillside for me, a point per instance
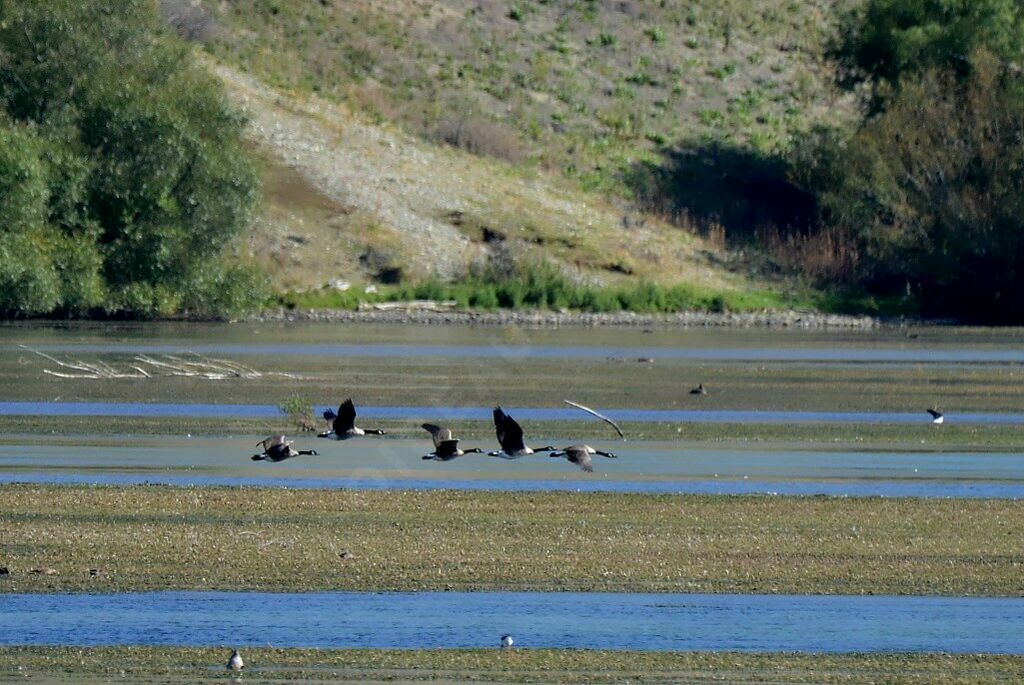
(124, 172)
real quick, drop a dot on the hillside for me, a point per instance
(404, 139)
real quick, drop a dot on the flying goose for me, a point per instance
(439, 434)
(699, 390)
(580, 455)
(510, 437)
(343, 424)
(507, 642)
(446, 445)
(235, 663)
(448, 450)
(936, 415)
(279, 448)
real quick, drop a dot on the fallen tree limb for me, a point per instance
(600, 416)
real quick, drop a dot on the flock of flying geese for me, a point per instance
(446, 445)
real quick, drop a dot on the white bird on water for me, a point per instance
(507, 642)
(235, 663)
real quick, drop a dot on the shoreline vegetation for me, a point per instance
(150, 537)
(263, 664)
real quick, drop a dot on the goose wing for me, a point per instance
(272, 441)
(935, 414)
(580, 455)
(438, 433)
(510, 435)
(346, 419)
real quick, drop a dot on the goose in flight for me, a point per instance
(937, 416)
(510, 437)
(448, 450)
(580, 455)
(343, 424)
(279, 448)
(446, 445)
(699, 390)
(438, 434)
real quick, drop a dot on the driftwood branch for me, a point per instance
(600, 416)
(145, 366)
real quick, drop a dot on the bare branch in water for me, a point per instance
(146, 366)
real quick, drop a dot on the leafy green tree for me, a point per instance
(884, 41)
(140, 174)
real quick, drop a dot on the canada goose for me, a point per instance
(936, 415)
(343, 424)
(699, 390)
(235, 663)
(439, 434)
(510, 437)
(580, 455)
(448, 450)
(507, 642)
(446, 445)
(279, 448)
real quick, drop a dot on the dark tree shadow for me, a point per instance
(717, 183)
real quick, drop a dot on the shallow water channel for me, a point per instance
(655, 467)
(426, 620)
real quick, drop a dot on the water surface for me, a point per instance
(427, 620)
(642, 466)
(524, 349)
(205, 410)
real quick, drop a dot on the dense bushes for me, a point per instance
(122, 169)
(928, 192)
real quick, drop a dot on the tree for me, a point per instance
(884, 42)
(142, 176)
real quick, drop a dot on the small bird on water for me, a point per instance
(507, 642)
(235, 663)
(936, 415)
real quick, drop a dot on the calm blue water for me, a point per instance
(484, 413)
(426, 620)
(519, 351)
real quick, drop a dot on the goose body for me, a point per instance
(278, 448)
(446, 445)
(699, 390)
(448, 450)
(580, 455)
(235, 663)
(510, 437)
(936, 415)
(507, 642)
(343, 424)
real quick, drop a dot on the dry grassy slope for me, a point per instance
(346, 199)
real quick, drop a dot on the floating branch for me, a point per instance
(145, 366)
(600, 416)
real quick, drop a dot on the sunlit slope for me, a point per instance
(350, 199)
